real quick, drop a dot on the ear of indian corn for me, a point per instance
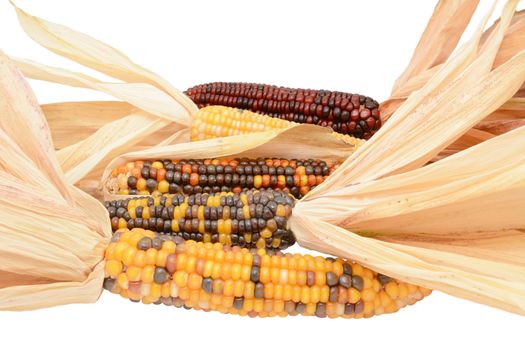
(220, 121)
(295, 176)
(345, 113)
(249, 219)
(235, 280)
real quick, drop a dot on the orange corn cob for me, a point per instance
(206, 276)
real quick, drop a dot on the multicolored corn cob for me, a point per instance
(345, 113)
(293, 176)
(219, 121)
(249, 219)
(144, 266)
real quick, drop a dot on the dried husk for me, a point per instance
(87, 135)
(394, 214)
(434, 43)
(71, 122)
(53, 235)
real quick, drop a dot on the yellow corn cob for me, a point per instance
(207, 276)
(221, 121)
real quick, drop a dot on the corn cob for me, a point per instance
(250, 219)
(294, 176)
(144, 266)
(219, 121)
(345, 113)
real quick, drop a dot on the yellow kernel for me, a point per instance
(325, 294)
(163, 186)
(133, 273)
(268, 291)
(278, 292)
(162, 255)
(122, 280)
(151, 256)
(119, 250)
(113, 268)
(169, 247)
(208, 268)
(403, 291)
(249, 290)
(129, 255)
(305, 295)
(236, 272)
(266, 233)
(392, 290)
(228, 288)
(180, 278)
(194, 281)
(353, 295)
(287, 292)
(226, 271)
(147, 274)
(110, 251)
(246, 212)
(368, 295)
(245, 272)
(238, 288)
(257, 181)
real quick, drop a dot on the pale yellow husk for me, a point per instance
(444, 28)
(453, 226)
(52, 235)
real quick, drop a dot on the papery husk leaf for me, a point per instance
(90, 140)
(94, 54)
(144, 96)
(508, 117)
(79, 159)
(15, 130)
(442, 34)
(299, 141)
(73, 121)
(470, 138)
(35, 296)
(510, 46)
(52, 235)
(435, 116)
(70, 122)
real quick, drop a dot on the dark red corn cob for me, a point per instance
(351, 114)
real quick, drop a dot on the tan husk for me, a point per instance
(89, 134)
(453, 226)
(95, 54)
(423, 65)
(53, 235)
(71, 122)
(442, 34)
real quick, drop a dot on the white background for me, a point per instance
(349, 46)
